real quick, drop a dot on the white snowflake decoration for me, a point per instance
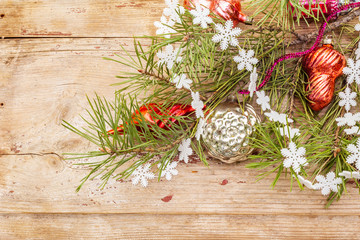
(200, 129)
(245, 60)
(164, 27)
(289, 132)
(327, 184)
(197, 104)
(263, 100)
(226, 35)
(185, 150)
(353, 71)
(253, 80)
(354, 157)
(348, 119)
(278, 117)
(142, 174)
(169, 56)
(305, 182)
(201, 16)
(352, 130)
(181, 81)
(348, 174)
(169, 171)
(173, 10)
(294, 157)
(347, 99)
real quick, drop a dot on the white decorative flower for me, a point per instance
(197, 104)
(348, 174)
(142, 174)
(165, 27)
(174, 10)
(169, 56)
(169, 171)
(348, 119)
(226, 35)
(200, 129)
(294, 157)
(253, 80)
(201, 16)
(328, 183)
(357, 26)
(263, 100)
(289, 132)
(278, 117)
(352, 131)
(305, 182)
(354, 157)
(353, 71)
(181, 81)
(245, 59)
(185, 150)
(347, 99)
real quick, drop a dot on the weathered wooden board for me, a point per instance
(80, 18)
(44, 184)
(140, 226)
(44, 80)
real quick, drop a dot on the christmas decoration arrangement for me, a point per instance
(216, 85)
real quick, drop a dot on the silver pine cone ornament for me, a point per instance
(226, 132)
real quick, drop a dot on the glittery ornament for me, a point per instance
(226, 132)
(227, 9)
(323, 66)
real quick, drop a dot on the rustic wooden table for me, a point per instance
(50, 58)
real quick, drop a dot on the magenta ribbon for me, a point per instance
(299, 54)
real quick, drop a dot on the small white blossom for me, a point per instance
(327, 184)
(142, 174)
(173, 10)
(245, 60)
(348, 119)
(294, 157)
(263, 100)
(200, 129)
(169, 171)
(305, 182)
(226, 35)
(253, 80)
(201, 16)
(185, 150)
(197, 104)
(357, 26)
(169, 56)
(289, 132)
(347, 99)
(354, 157)
(164, 27)
(353, 71)
(278, 117)
(181, 81)
(352, 131)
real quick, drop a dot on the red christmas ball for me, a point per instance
(227, 9)
(323, 66)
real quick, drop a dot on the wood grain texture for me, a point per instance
(44, 80)
(143, 226)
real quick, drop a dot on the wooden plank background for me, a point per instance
(50, 58)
